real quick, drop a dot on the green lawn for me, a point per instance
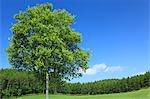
(141, 94)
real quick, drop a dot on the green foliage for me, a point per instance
(44, 41)
(17, 83)
(108, 86)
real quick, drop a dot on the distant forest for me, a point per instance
(16, 83)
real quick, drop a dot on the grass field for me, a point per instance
(141, 94)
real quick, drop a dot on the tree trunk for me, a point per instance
(47, 86)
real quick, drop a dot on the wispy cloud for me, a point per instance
(114, 69)
(102, 68)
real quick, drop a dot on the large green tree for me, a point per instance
(43, 41)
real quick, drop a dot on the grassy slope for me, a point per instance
(141, 94)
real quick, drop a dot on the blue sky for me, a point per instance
(116, 32)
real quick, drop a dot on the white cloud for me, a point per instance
(101, 68)
(114, 69)
(90, 71)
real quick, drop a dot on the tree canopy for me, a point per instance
(43, 40)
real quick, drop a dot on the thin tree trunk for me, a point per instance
(47, 86)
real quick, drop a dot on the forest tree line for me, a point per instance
(16, 83)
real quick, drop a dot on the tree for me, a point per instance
(43, 41)
(20, 83)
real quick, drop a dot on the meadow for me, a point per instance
(140, 94)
